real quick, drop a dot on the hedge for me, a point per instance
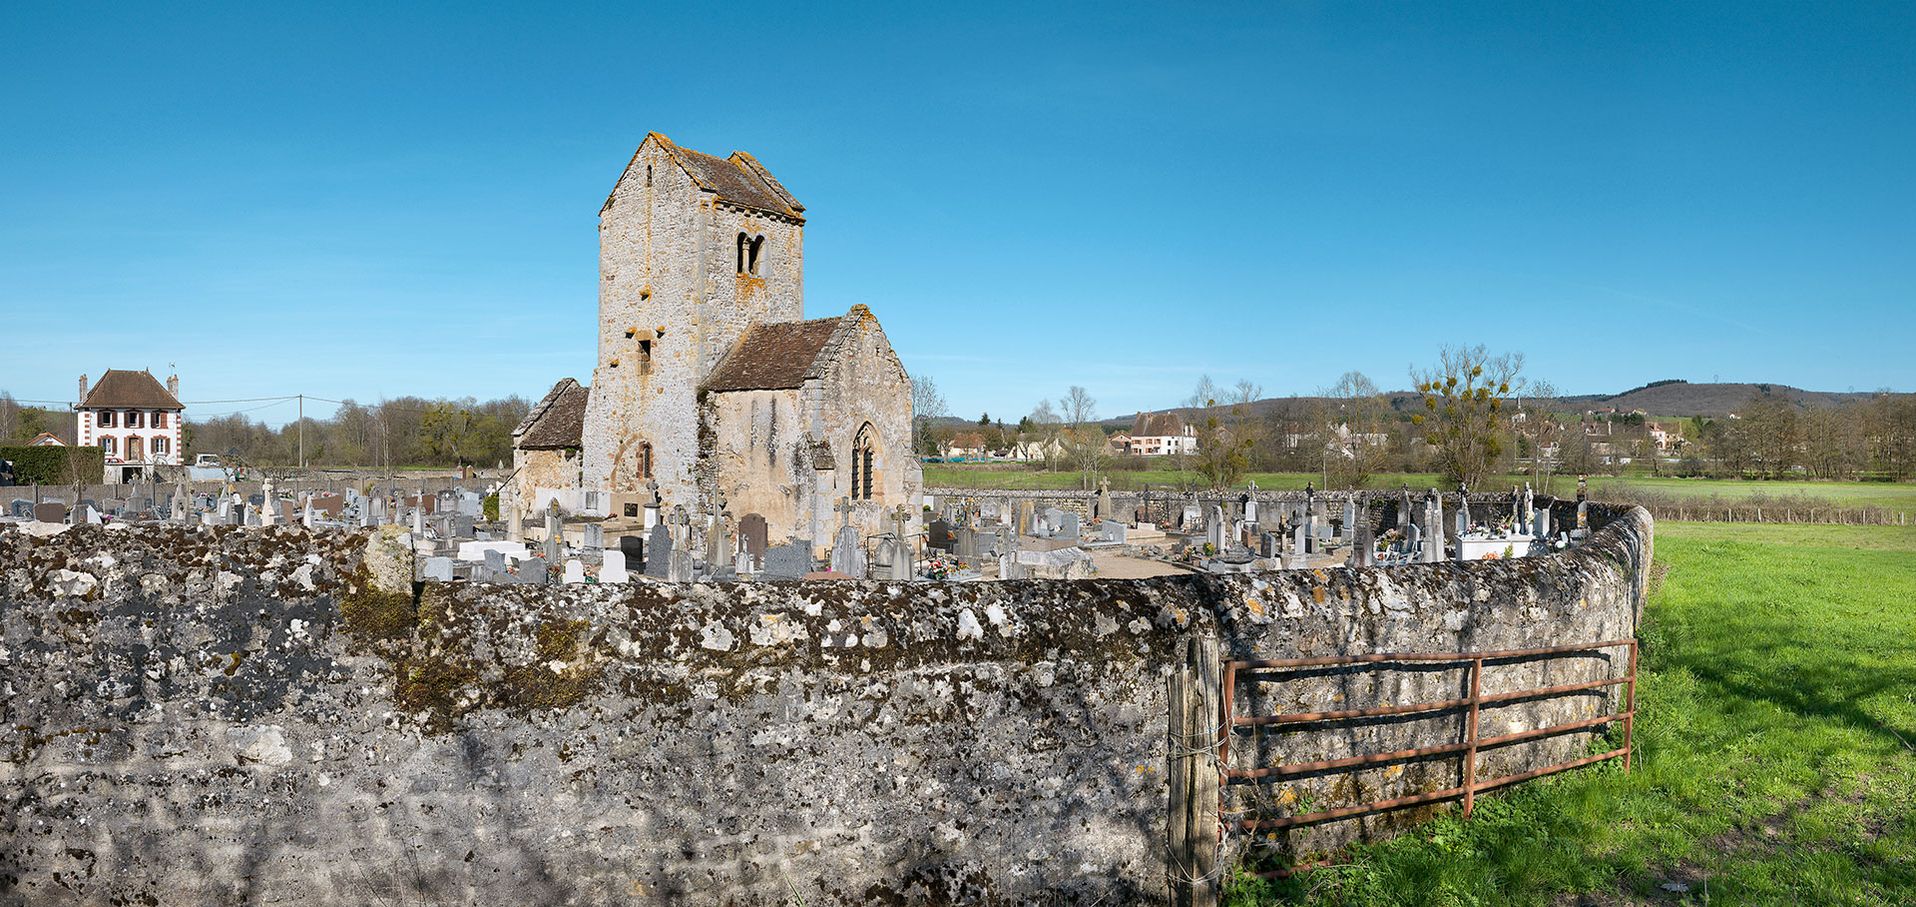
(50, 465)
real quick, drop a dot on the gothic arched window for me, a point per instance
(864, 457)
(645, 459)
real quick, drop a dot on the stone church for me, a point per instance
(712, 391)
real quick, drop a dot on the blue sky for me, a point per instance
(374, 200)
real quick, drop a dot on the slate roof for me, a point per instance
(557, 421)
(127, 389)
(773, 356)
(740, 180)
(1157, 425)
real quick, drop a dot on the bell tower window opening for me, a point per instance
(645, 460)
(751, 254)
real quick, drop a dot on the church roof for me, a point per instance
(557, 421)
(127, 389)
(774, 356)
(740, 180)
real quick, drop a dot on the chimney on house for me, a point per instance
(82, 400)
(173, 386)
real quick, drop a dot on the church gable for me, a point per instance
(861, 342)
(740, 180)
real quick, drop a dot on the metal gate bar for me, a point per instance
(1469, 747)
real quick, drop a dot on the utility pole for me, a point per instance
(302, 447)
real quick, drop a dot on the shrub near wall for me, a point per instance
(53, 465)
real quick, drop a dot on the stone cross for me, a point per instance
(553, 531)
(844, 508)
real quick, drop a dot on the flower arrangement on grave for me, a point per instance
(1386, 539)
(940, 567)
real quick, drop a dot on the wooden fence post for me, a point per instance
(1191, 846)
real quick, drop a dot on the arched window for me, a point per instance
(750, 253)
(864, 457)
(645, 459)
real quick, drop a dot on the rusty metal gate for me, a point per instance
(1204, 717)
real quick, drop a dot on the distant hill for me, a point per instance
(1659, 398)
(1682, 398)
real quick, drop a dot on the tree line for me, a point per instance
(407, 431)
(1472, 415)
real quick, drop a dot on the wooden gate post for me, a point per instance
(1193, 728)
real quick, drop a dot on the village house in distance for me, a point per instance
(712, 394)
(133, 420)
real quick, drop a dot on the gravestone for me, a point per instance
(848, 556)
(1250, 505)
(633, 548)
(1188, 517)
(938, 535)
(1540, 526)
(789, 561)
(20, 509)
(658, 552)
(594, 537)
(1269, 545)
(720, 547)
(534, 570)
(1299, 546)
(1413, 542)
(1363, 546)
(439, 568)
(1349, 528)
(1216, 532)
(889, 557)
(1068, 526)
(574, 572)
(612, 568)
(50, 512)
(495, 561)
(752, 533)
(965, 542)
(1113, 531)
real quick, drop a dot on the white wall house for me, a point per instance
(1158, 434)
(133, 420)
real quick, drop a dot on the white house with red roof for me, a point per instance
(134, 420)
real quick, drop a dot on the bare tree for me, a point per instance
(1463, 418)
(9, 418)
(1205, 394)
(1354, 445)
(1084, 442)
(927, 405)
(1540, 431)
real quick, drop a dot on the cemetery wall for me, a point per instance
(222, 715)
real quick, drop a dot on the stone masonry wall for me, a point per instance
(223, 716)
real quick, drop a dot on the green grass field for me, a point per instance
(1899, 496)
(1776, 749)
